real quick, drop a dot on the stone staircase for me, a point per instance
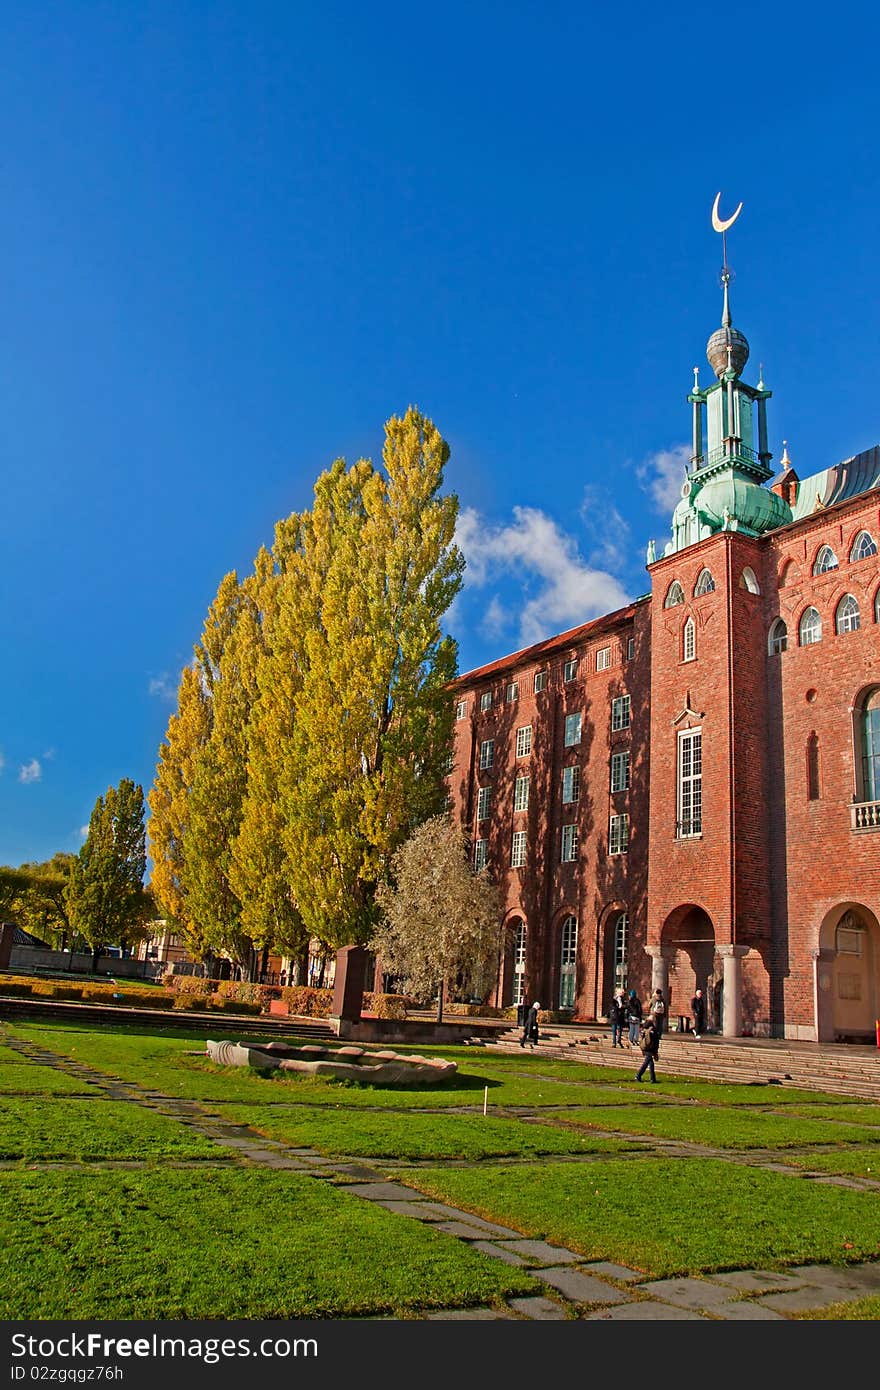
(840, 1068)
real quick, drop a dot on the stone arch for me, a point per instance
(848, 974)
(687, 941)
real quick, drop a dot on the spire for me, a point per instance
(727, 349)
(786, 461)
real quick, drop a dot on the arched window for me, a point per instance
(748, 580)
(813, 767)
(849, 619)
(863, 546)
(705, 584)
(689, 641)
(810, 629)
(877, 607)
(519, 963)
(674, 596)
(568, 962)
(621, 938)
(777, 640)
(867, 731)
(826, 560)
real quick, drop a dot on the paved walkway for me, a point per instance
(576, 1288)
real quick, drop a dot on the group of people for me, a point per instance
(646, 1026)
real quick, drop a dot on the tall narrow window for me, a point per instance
(621, 944)
(689, 641)
(484, 796)
(486, 700)
(572, 730)
(630, 648)
(518, 849)
(512, 692)
(571, 784)
(863, 546)
(619, 771)
(461, 709)
(620, 713)
(813, 767)
(480, 848)
(848, 616)
(521, 794)
(618, 835)
(810, 628)
(826, 560)
(570, 670)
(690, 783)
(777, 638)
(569, 843)
(540, 681)
(524, 741)
(487, 753)
(568, 962)
(519, 963)
(868, 732)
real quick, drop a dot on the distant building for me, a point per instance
(687, 792)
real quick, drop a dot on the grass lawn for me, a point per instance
(857, 1113)
(668, 1216)
(29, 1079)
(408, 1135)
(854, 1163)
(863, 1310)
(94, 1129)
(722, 1128)
(244, 1244)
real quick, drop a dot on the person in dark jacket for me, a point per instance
(698, 1013)
(634, 1016)
(657, 1013)
(649, 1042)
(617, 1019)
(530, 1031)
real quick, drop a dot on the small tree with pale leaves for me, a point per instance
(441, 922)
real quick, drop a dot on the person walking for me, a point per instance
(634, 1016)
(649, 1042)
(698, 1013)
(617, 1019)
(657, 1013)
(530, 1030)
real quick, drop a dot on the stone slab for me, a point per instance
(580, 1288)
(805, 1299)
(747, 1311)
(539, 1309)
(497, 1252)
(358, 1171)
(757, 1281)
(439, 1211)
(621, 1272)
(688, 1293)
(381, 1191)
(860, 1278)
(648, 1310)
(541, 1252)
(408, 1209)
(460, 1229)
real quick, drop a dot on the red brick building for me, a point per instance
(687, 792)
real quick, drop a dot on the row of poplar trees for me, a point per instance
(313, 726)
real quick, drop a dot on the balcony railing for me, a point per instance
(865, 815)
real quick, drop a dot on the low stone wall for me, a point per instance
(26, 960)
(414, 1031)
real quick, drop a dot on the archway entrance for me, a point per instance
(615, 957)
(688, 942)
(848, 974)
(514, 971)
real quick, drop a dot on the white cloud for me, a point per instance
(533, 549)
(495, 619)
(662, 474)
(30, 772)
(607, 530)
(163, 687)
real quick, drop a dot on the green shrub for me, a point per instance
(235, 1006)
(308, 1002)
(190, 984)
(50, 989)
(192, 1002)
(16, 988)
(387, 1005)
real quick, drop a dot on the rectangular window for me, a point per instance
(603, 658)
(540, 681)
(620, 712)
(521, 794)
(524, 741)
(618, 835)
(486, 700)
(630, 648)
(484, 796)
(461, 709)
(518, 849)
(480, 848)
(487, 753)
(690, 783)
(512, 692)
(619, 772)
(570, 669)
(569, 843)
(571, 784)
(572, 730)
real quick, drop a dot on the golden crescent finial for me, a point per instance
(717, 223)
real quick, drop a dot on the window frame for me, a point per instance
(689, 784)
(568, 961)
(542, 677)
(484, 803)
(620, 759)
(570, 670)
(674, 595)
(524, 741)
(819, 564)
(689, 640)
(461, 710)
(520, 802)
(603, 659)
(705, 583)
(481, 853)
(487, 754)
(849, 621)
(813, 628)
(485, 701)
(777, 641)
(572, 771)
(569, 844)
(621, 713)
(518, 850)
(618, 834)
(867, 551)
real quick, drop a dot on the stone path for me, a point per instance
(576, 1287)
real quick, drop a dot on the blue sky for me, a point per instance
(236, 237)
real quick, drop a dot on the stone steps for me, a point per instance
(219, 1024)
